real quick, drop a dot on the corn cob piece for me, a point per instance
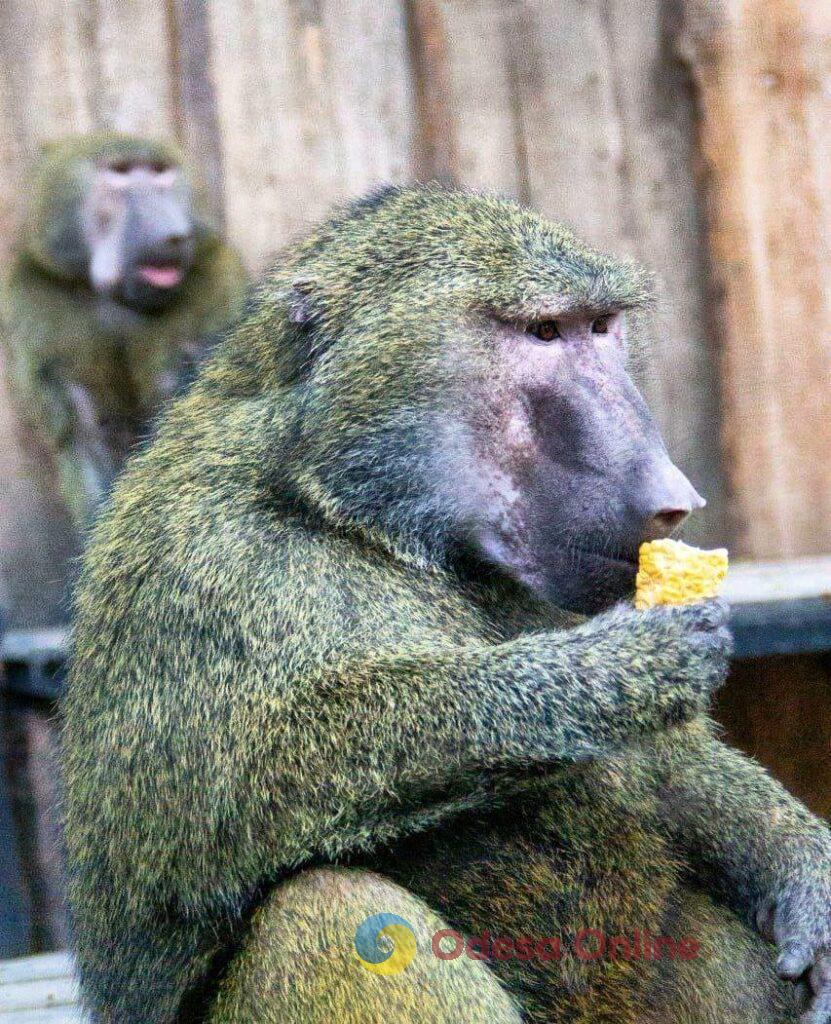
(671, 572)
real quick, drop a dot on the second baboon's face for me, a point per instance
(559, 470)
(139, 230)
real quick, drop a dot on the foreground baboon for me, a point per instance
(117, 285)
(331, 664)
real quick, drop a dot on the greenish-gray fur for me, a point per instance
(57, 340)
(277, 668)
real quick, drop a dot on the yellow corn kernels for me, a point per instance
(671, 572)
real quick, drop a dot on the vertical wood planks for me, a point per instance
(315, 105)
(484, 116)
(581, 109)
(370, 91)
(194, 100)
(764, 75)
(71, 65)
(571, 131)
(134, 72)
(435, 156)
(65, 66)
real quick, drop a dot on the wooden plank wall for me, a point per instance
(693, 134)
(762, 71)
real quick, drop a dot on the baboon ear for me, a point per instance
(308, 341)
(301, 301)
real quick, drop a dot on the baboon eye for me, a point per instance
(601, 325)
(159, 167)
(121, 167)
(545, 330)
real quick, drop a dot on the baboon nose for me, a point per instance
(665, 521)
(667, 502)
(177, 239)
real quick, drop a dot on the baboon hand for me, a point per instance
(798, 920)
(674, 656)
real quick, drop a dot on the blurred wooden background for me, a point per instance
(693, 134)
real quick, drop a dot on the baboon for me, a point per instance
(118, 282)
(355, 638)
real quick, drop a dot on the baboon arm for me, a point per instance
(45, 400)
(382, 737)
(546, 697)
(745, 833)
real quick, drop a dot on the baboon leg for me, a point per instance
(732, 979)
(299, 963)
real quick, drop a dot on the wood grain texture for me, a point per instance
(598, 112)
(483, 115)
(134, 89)
(763, 71)
(779, 711)
(435, 156)
(315, 105)
(194, 100)
(72, 65)
(582, 109)
(39, 990)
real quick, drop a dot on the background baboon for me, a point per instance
(332, 661)
(118, 282)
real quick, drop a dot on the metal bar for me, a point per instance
(15, 906)
(781, 627)
(797, 579)
(35, 662)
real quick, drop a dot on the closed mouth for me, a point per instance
(618, 560)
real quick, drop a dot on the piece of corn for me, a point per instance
(671, 572)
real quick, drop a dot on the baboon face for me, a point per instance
(560, 468)
(138, 227)
(469, 392)
(115, 212)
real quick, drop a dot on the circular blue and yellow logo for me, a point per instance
(394, 955)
